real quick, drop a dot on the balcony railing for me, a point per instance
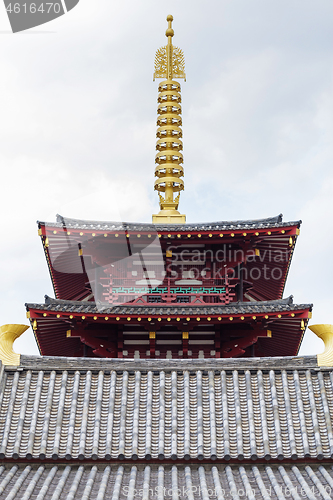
(118, 291)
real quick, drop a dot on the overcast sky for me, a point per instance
(78, 121)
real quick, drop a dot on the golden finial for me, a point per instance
(169, 64)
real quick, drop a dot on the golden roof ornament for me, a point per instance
(169, 64)
(8, 335)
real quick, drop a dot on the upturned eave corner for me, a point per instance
(325, 333)
(8, 335)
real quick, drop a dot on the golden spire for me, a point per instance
(169, 64)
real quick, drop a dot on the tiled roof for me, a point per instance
(78, 306)
(194, 482)
(77, 413)
(202, 226)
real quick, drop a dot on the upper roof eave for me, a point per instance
(269, 222)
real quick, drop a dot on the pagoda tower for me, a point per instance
(169, 289)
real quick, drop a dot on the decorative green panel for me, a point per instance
(164, 290)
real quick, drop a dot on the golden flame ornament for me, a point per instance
(325, 333)
(169, 64)
(8, 335)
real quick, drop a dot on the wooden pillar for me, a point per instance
(152, 343)
(240, 290)
(208, 263)
(120, 341)
(218, 342)
(185, 336)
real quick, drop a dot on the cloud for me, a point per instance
(78, 118)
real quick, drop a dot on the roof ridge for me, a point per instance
(159, 365)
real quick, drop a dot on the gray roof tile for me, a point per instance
(166, 414)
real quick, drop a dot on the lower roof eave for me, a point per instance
(193, 309)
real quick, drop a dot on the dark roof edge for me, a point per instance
(67, 221)
(151, 309)
(64, 363)
(275, 219)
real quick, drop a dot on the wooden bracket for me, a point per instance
(236, 347)
(101, 347)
